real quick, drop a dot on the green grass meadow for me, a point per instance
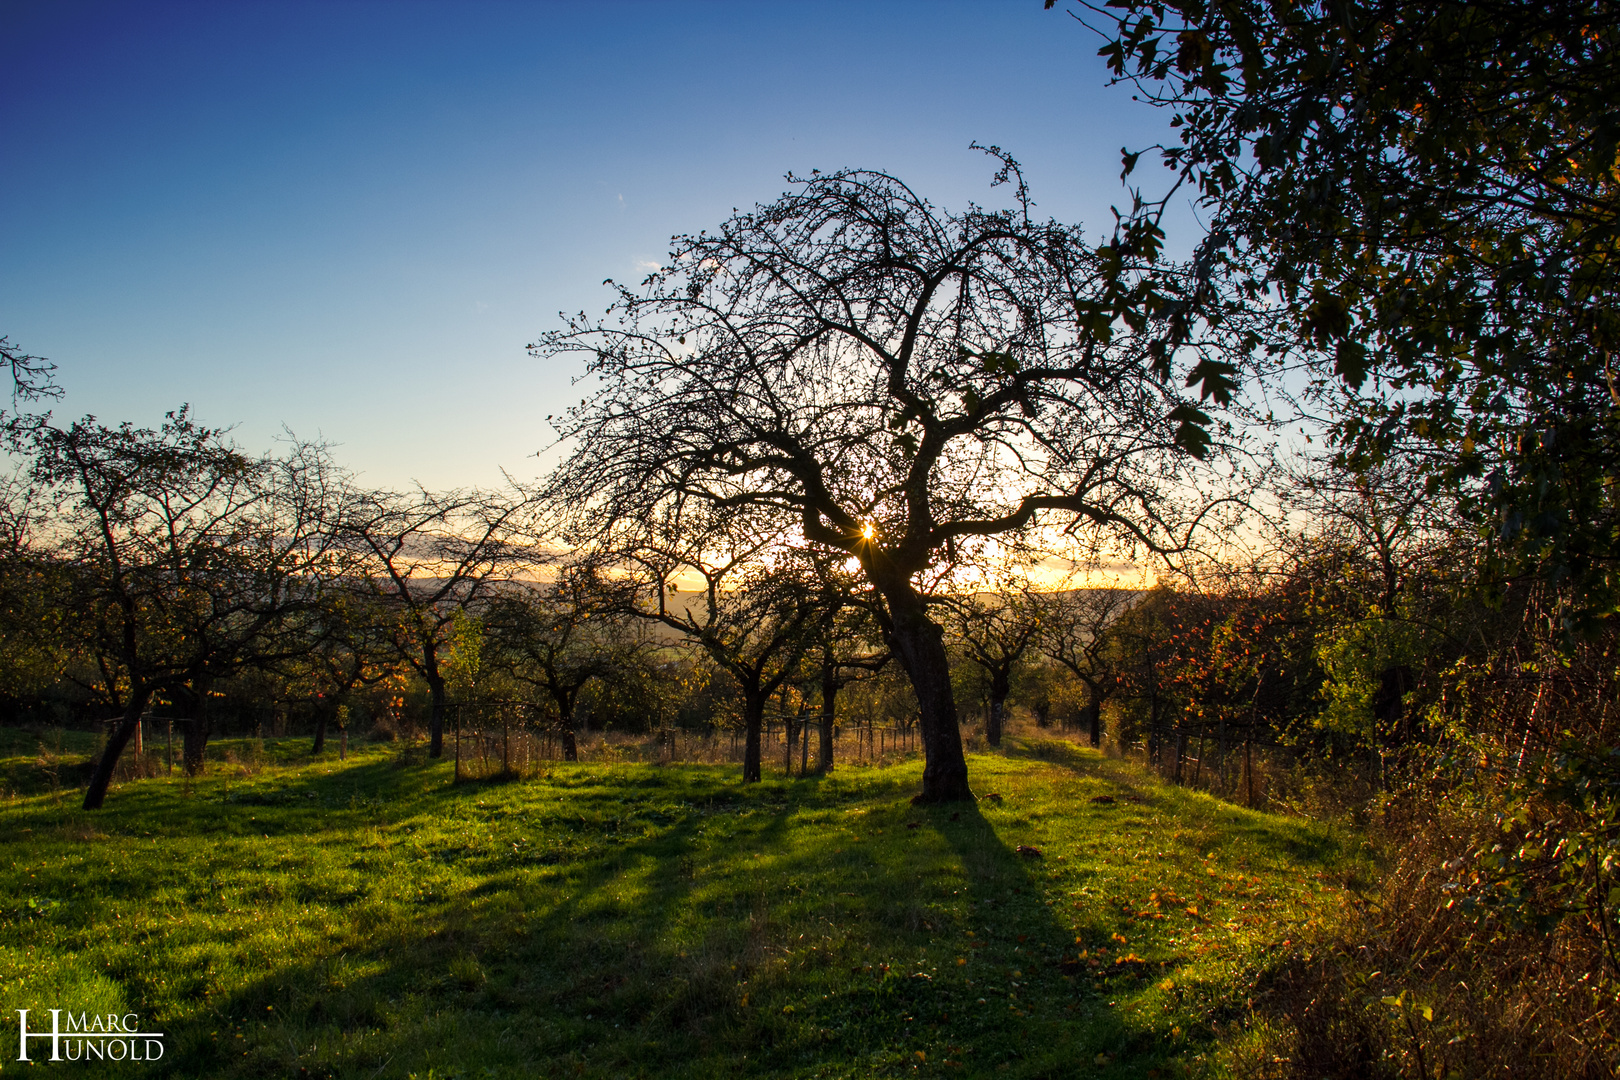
(284, 916)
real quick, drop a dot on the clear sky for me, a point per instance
(349, 218)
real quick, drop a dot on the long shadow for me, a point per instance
(1291, 839)
(619, 924)
(1022, 952)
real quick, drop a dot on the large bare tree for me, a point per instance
(902, 382)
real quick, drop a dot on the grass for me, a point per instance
(284, 916)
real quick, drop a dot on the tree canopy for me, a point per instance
(1427, 194)
(897, 381)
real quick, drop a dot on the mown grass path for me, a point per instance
(369, 919)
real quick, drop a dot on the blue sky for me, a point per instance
(349, 218)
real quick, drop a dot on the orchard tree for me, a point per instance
(845, 647)
(556, 636)
(740, 594)
(994, 631)
(348, 646)
(425, 558)
(1074, 632)
(183, 560)
(901, 382)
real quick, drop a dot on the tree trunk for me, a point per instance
(116, 740)
(999, 689)
(320, 728)
(195, 742)
(919, 645)
(753, 721)
(435, 713)
(565, 723)
(1094, 720)
(829, 699)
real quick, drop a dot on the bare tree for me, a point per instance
(1074, 627)
(556, 636)
(349, 645)
(845, 647)
(754, 603)
(427, 556)
(900, 381)
(993, 630)
(187, 560)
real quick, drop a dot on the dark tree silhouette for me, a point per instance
(752, 610)
(556, 636)
(901, 382)
(1074, 626)
(186, 559)
(993, 630)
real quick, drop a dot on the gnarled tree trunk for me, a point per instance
(919, 645)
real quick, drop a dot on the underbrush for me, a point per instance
(1420, 980)
(290, 916)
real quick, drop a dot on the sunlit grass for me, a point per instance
(369, 918)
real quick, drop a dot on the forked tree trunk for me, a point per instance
(919, 645)
(117, 739)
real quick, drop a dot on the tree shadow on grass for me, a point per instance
(1130, 789)
(661, 922)
(632, 934)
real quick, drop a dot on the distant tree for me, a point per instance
(993, 630)
(1074, 632)
(752, 610)
(556, 636)
(348, 647)
(901, 383)
(846, 645)
(426, 557)
(32, 583)
(184, 560)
